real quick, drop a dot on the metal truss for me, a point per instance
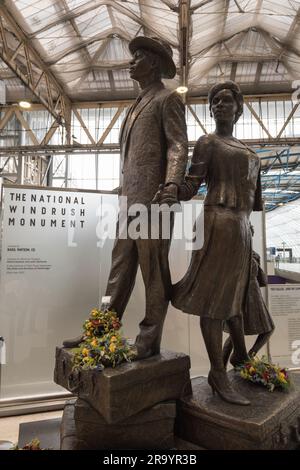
(9, 112)
(184, 40)
(280, 156)
(23, 59)
(280, 176)
(25, 169)
(22, 51)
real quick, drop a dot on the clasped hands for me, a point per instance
(166, 194)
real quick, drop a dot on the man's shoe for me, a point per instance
(74, 342)
(141, 353)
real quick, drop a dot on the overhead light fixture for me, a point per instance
(182, 89)
(24, 104)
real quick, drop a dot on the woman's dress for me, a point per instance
(216, 282)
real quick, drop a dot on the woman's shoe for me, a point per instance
(219, 383)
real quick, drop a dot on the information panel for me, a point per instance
(284, 301)
(50, 276)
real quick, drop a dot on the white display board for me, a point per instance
(284, 302)
(54, 268)
(50, 273)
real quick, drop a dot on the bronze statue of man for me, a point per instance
(153, 144)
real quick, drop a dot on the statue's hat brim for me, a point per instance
(168, 67)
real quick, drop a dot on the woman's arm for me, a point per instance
(258, 200)
(197, 171)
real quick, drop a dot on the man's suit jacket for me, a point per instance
(153, 142)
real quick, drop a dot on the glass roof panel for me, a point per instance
(39, 13)
(72, 34)
(93, 22)
(58, 40)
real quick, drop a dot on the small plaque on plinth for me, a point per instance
(271, 421)
(121, 392)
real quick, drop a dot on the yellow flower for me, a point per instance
(282, 377)
(94, 312)
(251, 369)
(244, 374)
(112, 347)
(85, 351)
(94, 343)
(113, 339)
(85, 359)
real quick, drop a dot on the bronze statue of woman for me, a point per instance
(216, 283)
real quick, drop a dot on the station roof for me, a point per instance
(83, 44)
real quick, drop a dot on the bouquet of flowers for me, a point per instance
(34, 444)
(262, 372)
(100, 322)
(103, 344)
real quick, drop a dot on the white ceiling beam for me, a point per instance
(279, 52)
(125, 11)
(239, 6)
(110, 125)
(223, 18)
(184, 40)
(141, 4)
(260, 122)
(295, 107)
(259, 29)
(258, 72)
(170, 5)
(201, 4)
(291, 32)
(96, 56)
(75, 13)
(85, 53)
(195, 116)
(94, 5)
(98, 37)
(233, 71)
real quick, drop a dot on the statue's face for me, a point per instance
(140, 65)
(223, 106)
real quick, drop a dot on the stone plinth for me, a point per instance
(128, 389)
(272, 421)
(83, 428)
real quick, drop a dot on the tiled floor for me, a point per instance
(9, 427)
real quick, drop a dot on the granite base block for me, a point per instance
(272, 421)
(83, 428)
(122, 392)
